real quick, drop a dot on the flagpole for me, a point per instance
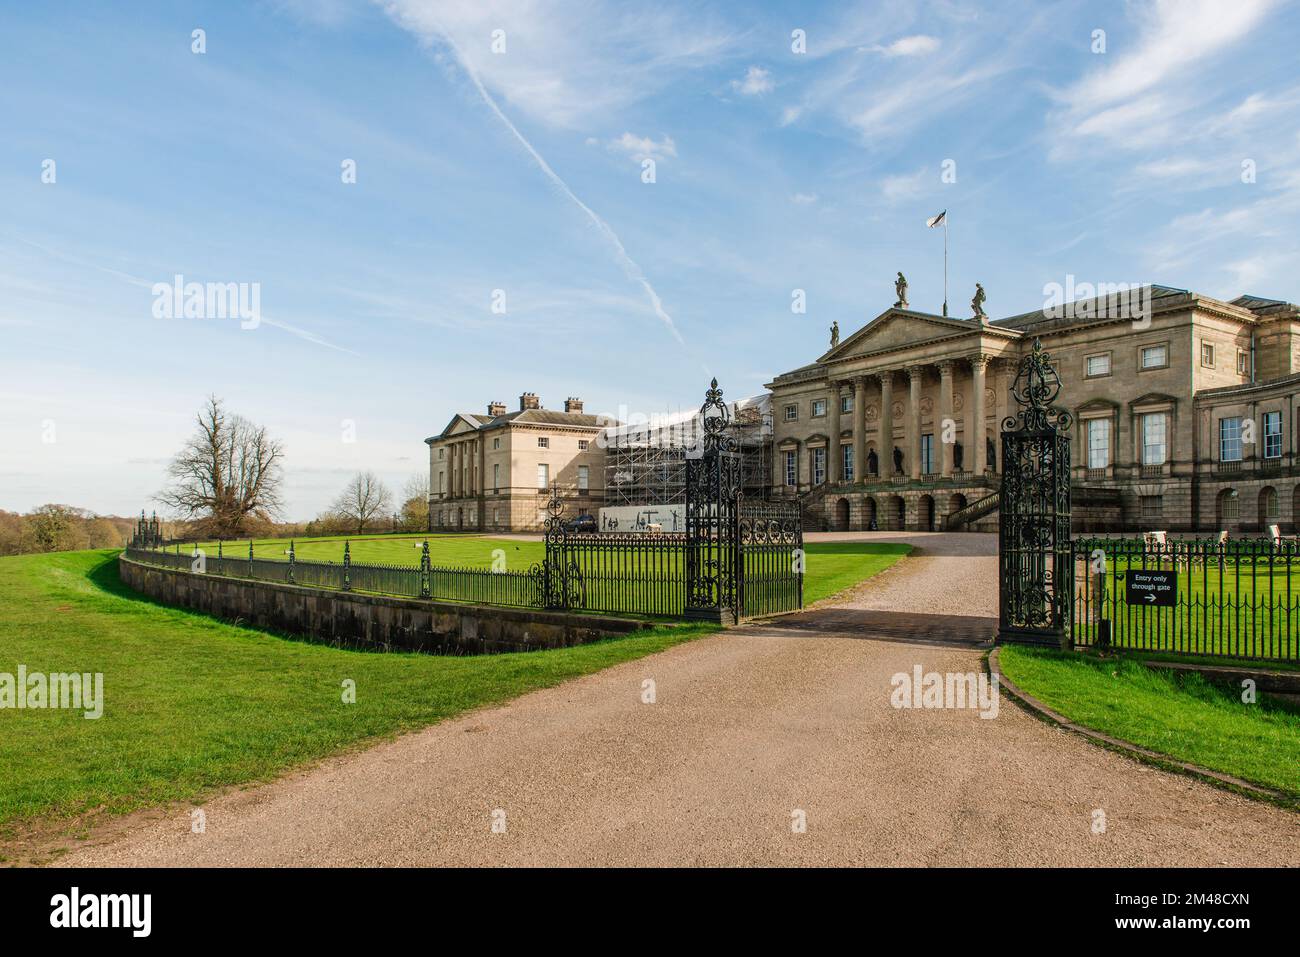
(945, 264)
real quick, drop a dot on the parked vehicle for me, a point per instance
(582, 524)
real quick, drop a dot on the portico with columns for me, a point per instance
(892, 427)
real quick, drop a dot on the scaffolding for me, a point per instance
(645, 462)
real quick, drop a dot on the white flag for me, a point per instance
(937, 220)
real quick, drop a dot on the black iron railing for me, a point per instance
(1233, 599)
(439, 582)
(625, 572)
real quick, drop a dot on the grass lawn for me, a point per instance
(1180, 715)
(1235, 605)
(831, 566)
(835, 566)
(473, 551)
(192, 703)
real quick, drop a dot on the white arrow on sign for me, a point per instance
(1151, 596)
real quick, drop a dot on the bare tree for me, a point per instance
(363, 498)
(229, 470)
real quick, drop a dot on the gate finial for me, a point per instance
(1036, 387)
(714, 417)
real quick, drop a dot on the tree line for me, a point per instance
(226, 482)
(57, 528)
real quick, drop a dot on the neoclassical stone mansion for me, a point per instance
(1184, 414)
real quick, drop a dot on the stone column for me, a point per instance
(914, 421)
(453, 472)
(945, 416)
(833, 471)
(885, 442)
(860, 428)
(975, 424)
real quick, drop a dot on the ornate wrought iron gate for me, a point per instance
(1036, 568)
(737, 558)
(772, 557)
(714, 564)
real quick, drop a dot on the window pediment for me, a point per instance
(1153, 402)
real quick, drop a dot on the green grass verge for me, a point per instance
(192, 703)
(1181, 715)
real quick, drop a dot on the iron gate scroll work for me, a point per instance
(558, 579)
(713, 556)
(736, 559)
(1036, 568)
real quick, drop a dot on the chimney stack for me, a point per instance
(572, 404)
(496, 408)
(528, 401)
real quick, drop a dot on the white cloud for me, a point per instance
(918, 45)
(1134, 97)
(1177, 166)
(565, 64)
(920, 97)
(790, 114)
(904, 186)
(803, 199)
(756, 82)
(643, 147)
(630, 267)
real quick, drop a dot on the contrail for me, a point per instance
(303, 334)
(630, 267)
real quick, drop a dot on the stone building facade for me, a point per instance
(494, 472)
(1183, 410)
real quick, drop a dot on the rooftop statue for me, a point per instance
(900, 290)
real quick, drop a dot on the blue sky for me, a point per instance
(521, 171)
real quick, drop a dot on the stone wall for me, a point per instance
(371, 621)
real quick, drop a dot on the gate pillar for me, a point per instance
(1035, 564)
(713, 482)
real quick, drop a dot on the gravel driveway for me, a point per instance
(748, 729)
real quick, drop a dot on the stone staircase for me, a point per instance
(974, 511)
(811, 508)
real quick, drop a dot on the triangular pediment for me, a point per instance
(899, 328)
(459, 425)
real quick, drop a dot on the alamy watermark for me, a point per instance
(931, 689)
(209, 300)
(1103, 300)
(36, 690)
(74, 909)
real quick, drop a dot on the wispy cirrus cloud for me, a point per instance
(548, 62)
(1136, 96)
(629, 265)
